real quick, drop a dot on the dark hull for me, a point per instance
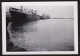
(18, 16)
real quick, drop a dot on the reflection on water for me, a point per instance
(43, 35)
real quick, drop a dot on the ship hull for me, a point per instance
(18, 16)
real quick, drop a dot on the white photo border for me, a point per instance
(57, 3)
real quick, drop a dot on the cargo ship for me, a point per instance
(23, 15)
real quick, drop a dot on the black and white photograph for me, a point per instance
(39, 27)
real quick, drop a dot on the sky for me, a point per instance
(53, 11)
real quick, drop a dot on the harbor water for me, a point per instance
(43, 35)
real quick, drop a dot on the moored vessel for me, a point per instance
(23, 15)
